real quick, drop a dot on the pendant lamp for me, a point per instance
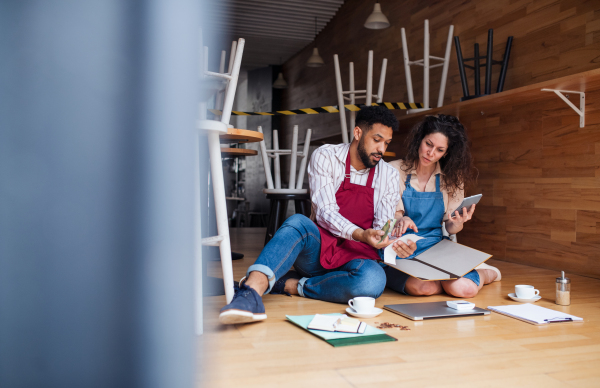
(377, 20)
(280, 82)
(315, 59)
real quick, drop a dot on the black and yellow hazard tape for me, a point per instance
(324, 109)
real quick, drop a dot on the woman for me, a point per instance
(433, 177)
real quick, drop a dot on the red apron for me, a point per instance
(356, 204)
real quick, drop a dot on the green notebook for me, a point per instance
(370, 336)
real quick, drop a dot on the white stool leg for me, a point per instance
(338, 85)
(352, 101)
(445, 68)
(382, 80)
(216, 169)
(426, 66)
(277, 164)
(369, 79)
(292, 181)
(265, 159)
(409, 87)
(198, 243)
(304, 159)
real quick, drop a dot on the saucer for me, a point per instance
(517, 299)
(375, 312)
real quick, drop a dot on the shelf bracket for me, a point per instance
(580, 111)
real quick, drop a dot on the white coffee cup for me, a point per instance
(526, 292)
(362, 304)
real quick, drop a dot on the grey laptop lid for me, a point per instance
(430, 310)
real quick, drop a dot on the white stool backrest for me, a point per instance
(224, 99)
(347, 133)
(294, 184)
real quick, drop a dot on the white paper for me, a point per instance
(325, 322)
(389, 255)
(533, 313)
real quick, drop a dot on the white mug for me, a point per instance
(526, 292)
(362, 304)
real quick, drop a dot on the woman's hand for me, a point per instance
(402, 225)
(455, 223)
(404, 250)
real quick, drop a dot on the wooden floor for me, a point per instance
(482, 351)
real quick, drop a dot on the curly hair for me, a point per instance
(370, 115)
(457, 163)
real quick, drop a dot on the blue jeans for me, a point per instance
(298, 243)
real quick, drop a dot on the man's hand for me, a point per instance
(371, 237)
(404, 250)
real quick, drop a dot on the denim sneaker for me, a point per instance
(246, 306)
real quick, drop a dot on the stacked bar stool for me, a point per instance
(226, 86)
(426, 67)
(353, 95)
(489, 61)
(279, 196)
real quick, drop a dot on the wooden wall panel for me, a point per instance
(539, 175)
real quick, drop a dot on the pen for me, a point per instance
(552, 320)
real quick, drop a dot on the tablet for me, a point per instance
(467, 202)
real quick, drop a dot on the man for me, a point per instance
(353, 194)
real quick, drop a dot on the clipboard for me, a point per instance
(535, 315)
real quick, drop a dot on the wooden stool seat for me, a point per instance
(236, 135)
(227, 152)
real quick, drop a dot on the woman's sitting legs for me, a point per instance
(466, 287)
(418, 287)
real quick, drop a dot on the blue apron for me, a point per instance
(426, 209)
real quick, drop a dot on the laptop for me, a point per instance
(431, 310)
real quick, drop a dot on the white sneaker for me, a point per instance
(487, 266)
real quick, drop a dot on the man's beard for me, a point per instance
(364, 157)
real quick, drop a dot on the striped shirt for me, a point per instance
(325, 176)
